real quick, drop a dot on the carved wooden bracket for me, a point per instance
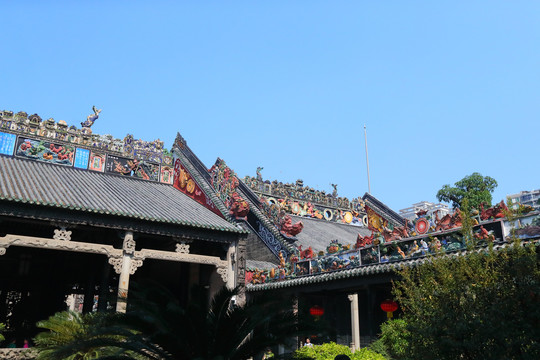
(182, 248)
(222, 270)
(129, 244)
(117, 262)
(62, 234)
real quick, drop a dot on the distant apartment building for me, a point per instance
(530, 198)
(410, 212)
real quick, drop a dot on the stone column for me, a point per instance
(123, 284)
(231, 261)
(125, 266)
(355, 322)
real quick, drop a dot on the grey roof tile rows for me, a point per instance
(318, 233)
(336, 275)
(62, 187)
(259, 264)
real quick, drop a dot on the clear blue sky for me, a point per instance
(445, 88)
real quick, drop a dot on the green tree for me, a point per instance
(480, 305)
(475, 187)
(157, 326)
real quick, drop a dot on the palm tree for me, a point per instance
(156, 326)
(67, 328)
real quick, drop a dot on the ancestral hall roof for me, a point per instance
(318, 233)
(57, 186)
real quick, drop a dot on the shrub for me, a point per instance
(394, 340)
(380, 348)
(330, 350)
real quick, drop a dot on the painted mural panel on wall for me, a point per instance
(167, 174)
(184, 182)
(45, 151)
(132, 167)
(97, 162)
(7, 143)
(82, 156)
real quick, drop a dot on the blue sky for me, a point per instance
(445, 88)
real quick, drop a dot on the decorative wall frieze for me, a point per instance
(175, 256)
(270, 240)
(62, 245)
(51, 142)
(115, 255)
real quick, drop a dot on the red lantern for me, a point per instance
(316, 311)
(389, 307)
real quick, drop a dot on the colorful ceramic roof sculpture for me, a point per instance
(45, 163)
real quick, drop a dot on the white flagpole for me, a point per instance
(367, 160)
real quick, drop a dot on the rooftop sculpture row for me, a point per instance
(389, 244)
(35, 126)
(301, 200)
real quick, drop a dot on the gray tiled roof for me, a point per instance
(259, 264)
(336, 275)
(318, 233)
(37, 183)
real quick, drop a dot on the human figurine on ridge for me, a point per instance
(91, 118)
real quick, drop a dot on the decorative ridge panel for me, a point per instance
(300, 200)
(399, 246)
(383, 210)
(205, 186)
(31, 138)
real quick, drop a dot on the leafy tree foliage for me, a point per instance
(156, 326)
(482, 305)
(330, 350)
(475, 187)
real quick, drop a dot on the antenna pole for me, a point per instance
(367, 160)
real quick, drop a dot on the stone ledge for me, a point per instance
(18, 354)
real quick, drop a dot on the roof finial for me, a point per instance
(91, 118)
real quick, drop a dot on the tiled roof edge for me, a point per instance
(114, 213)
